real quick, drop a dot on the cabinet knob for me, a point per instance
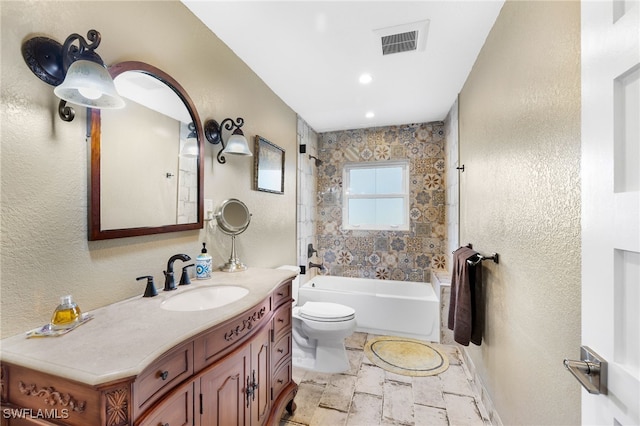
(280, 294)
(163, 374)
(280, 350)
(280, 381)
(280, 320)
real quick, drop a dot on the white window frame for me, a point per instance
(347, 197)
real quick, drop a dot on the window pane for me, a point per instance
(389, 211)
(362, 181)
(381, 180)
(376, 211)
(362, 211)
(389, 180)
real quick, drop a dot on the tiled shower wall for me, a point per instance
(307, 176)
(398, 255)
(453, 182)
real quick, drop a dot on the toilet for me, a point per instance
(319, 330)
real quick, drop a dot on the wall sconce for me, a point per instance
(190, 148)
(237, 143)
(78, 72)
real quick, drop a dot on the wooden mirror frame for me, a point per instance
(94, 220)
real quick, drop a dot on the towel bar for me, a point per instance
(480, 258)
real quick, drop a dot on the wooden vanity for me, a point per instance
(234, 368)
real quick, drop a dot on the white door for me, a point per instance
(610, 205)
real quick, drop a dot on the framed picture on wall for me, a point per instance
(268, 166)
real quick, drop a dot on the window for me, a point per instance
(376, 196)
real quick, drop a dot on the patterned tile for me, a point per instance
(380, 254)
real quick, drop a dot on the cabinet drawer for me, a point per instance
(282, 320)
(281, 349)
(224, 338)
(281, 378)
(163, 375)
(175, 410)
(282, 294)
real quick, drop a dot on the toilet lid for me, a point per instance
(326, 311)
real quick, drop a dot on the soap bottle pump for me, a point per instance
(203, 264)
(66, 314)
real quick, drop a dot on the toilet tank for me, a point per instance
(295, 285)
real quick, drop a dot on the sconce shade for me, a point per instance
(237, 144)
(89, 84)
(190, 148)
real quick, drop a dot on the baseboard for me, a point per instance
(476, 382)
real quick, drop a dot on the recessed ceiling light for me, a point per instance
(370, 114)
(365, 78)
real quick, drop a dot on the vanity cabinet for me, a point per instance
(236, 372)
(236, 391)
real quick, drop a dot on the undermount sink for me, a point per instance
(203, 298)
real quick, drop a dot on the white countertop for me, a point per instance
(125, 337)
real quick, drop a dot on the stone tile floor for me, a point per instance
(368, 395)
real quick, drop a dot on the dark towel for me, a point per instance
(465, 308)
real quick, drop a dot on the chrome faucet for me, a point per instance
(169, 281)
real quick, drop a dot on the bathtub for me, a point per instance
(385, 307)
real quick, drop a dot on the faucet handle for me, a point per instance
(184, 278)
(150, 290)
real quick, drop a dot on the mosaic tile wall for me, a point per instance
(397, 255)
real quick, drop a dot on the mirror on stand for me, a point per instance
(233, 218)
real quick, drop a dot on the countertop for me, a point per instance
(125, 337)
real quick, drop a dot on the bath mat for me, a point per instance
(409, 357)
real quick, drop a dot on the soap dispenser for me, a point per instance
(203, 264)
(66, 314)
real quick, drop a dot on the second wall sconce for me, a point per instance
(236, 144)
(77, 72)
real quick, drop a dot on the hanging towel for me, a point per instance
(465, 310)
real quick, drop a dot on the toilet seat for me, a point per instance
(326, 312)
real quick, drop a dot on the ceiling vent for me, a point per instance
(398, 43)
(403, 38)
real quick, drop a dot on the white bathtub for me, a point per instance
(399, 308)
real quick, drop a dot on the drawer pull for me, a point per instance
(280, 320)
(163, 374)
(280, 381)
(280, 294)
(280, 350)
(163, 424)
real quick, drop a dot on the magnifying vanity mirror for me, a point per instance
(146, 159)
(233, 218)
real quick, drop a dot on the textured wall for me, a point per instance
(402, 256)
(519, 115)
(45, 252)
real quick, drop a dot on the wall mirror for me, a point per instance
(233, 218)
(146, 161)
